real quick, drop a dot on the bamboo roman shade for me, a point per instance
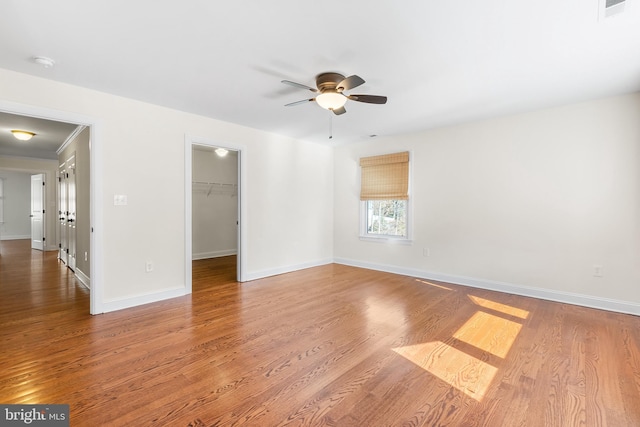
(385, 177)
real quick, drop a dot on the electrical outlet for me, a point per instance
(426, 252)
(148, 266)
(598, 271)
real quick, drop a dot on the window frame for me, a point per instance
(374, 237)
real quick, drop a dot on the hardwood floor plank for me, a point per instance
(327, 346)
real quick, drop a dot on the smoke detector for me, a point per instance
(44, 61)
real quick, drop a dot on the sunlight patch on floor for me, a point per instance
(490, 333)
(485, 333)
(458, 369)
(506, 309)
(433, 284)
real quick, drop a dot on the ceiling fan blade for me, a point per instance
(369, 99)
(349, 83)
(299, 102)
(298, 85)
(338, 111)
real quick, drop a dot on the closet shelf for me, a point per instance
(209, 188)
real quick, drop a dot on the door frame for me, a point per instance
(61, 222)
(43, 203)
(189, 142)
(96, 292)
(72, 242)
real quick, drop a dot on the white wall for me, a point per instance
(17, 205)
(49, 168)
(143, 158)
(291, 204)
(215, 208)
(527, 203)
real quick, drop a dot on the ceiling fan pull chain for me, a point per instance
(330, 125)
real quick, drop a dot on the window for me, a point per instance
(385, 196)
(386, 217)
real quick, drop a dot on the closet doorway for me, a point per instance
(215, 211)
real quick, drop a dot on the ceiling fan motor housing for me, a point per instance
(328, 81)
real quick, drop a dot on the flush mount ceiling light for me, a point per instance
(44, 61)
(221, 152)
(23, 135)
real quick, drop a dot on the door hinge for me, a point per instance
(42, 210)
(43, 183)
(44, 238)
(59, 245)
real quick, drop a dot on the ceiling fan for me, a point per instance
(330, 88)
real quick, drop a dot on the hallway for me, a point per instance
(34, 284)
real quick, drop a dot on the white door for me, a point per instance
(71, 207)
(62, 214)
(37, 211)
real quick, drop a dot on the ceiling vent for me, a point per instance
(610, 8)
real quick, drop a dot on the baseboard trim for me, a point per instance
(83, 278)
(214, 254)
(286, 269)
(16, 237)
(527, 291)
(121, 304)
(124, 303)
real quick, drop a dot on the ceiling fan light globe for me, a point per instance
(331, 100)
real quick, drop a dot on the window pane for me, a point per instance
(387, 217)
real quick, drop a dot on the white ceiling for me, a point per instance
(439, 62)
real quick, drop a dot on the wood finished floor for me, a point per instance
(331, 346)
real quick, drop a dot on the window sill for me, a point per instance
(386, 239)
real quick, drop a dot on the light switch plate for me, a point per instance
(119, 200)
